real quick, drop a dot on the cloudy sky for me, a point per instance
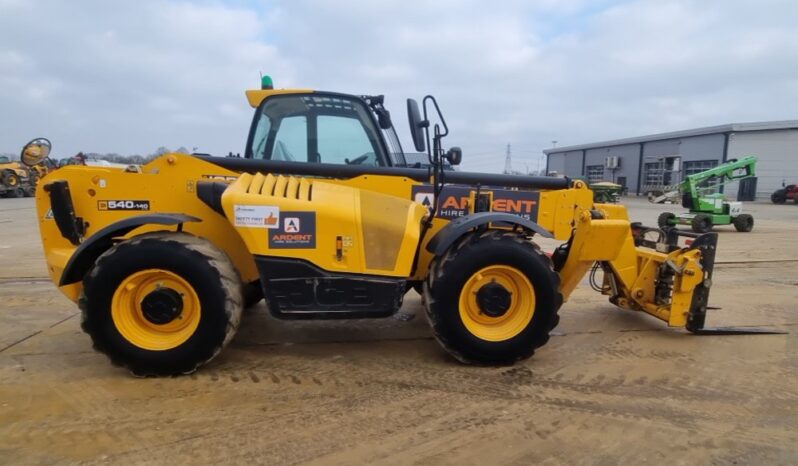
(128, 77)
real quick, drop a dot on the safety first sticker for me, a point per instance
(297, 230)
(257, 216)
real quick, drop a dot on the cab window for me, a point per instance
(291, 140)
(343, 140)
(316, 128)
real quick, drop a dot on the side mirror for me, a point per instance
(454, 156)
(35, 151)
(417, 125)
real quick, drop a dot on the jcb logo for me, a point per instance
(123, 205)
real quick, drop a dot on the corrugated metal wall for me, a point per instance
(628, 159)
(777, 152)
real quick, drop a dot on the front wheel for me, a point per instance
(162, 303)
(492, 298)
(779, 197)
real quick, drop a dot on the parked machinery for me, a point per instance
(708, 208)
(787, 193)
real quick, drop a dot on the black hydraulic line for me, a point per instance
(513, 181)
(314, 169)
(417, 174)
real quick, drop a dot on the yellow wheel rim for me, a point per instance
(517, 316)
(12, 181)
(130, 319)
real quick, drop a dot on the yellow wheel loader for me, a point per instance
(20, 179)
(323, 219)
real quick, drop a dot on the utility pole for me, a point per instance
(508, 163)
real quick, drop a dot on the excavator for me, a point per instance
(324, 220)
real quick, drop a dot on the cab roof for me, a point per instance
(256, 96)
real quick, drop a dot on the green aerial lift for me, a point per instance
(707, 207)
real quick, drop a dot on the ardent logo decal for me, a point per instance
(296, 231)
(453, 201)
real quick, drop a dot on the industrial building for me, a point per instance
(642, 163)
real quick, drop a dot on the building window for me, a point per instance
(652, 174)
(691, 168)
(594, 173)
(661, 172)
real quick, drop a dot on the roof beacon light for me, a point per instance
(266, 82)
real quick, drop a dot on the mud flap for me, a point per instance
(696, 317)
(71, 227)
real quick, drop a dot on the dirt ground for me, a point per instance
(611, 387)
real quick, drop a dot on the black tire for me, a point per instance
(701, 223)
(778, 197)
(664, 218)
(17, 193)
(450, 272)
(9, 179)
(207, 269)
(253, 294)
(30, 191)
(743, 222)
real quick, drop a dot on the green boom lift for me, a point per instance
(707, 207)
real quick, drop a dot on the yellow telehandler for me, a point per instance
(323, 218)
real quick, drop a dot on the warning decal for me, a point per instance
(297, 230)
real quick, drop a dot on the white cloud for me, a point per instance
(129, 77)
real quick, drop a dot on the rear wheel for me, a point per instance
(17, 192)
(664, 220)
(161, 303)
(492, 298)
(702, 223)
(743, 222)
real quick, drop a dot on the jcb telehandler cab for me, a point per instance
(321, 218)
